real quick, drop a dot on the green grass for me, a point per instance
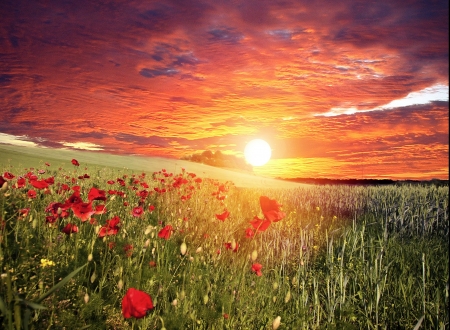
(342, 258)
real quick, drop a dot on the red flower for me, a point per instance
(96, 194)
(152, 263)
(128, 248)
(39, 184)
(111, 182)
(257, 269)
(111, 227)
(19, 184)
(260, 224)
(271, 209)
(136, 304)
(226, 316)
(8, 176)
(137, 211)
(83, 211)
(165, 232)
(223, 216)
(48, 164)
(75, 162)
(100, 209)
(31, 193)
(50, 180)
(2, 181)
(24, 212)
(70, 228)
(151, 208)
(74, 198)
(249, 233)
(229, 246)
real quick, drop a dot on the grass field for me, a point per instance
(206, 251)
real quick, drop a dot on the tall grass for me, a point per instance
(342, 257)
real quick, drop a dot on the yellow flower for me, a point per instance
(46, 263)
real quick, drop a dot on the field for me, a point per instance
(206, 250)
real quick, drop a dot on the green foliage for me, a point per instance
(342, 257)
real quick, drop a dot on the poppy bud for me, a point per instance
(275, 285)
(4, 186)
(175, 302)
(59, 211)
(86, 298)
(120, 284)
(182, 294)
(147, 243)
(93, 277)
(205, 299)
(288, 297)
(276, 323)
(199, 249)
(148, 230)
(90, 257)
(183, 248)
(274, 299)
(254, 255)
(233, 244)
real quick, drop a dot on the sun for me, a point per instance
(257, 152)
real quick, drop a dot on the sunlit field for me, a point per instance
(84, 247)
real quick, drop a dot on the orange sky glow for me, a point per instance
(339, 89)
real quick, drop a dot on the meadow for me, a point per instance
(85, 246)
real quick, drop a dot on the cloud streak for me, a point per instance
(329, 85)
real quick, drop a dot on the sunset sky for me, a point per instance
(339, 89)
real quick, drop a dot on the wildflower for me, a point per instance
(70, 228)
(152, 263)
(166, 232)
(111, 227)
(271, 209)
(151, 208)
(46, 263)
(257, 269)
(136, 304)
(96, 194)
(223, 216)
(128, 248)
(260, 224)
(226, 316)
(231, 246)
(8, 176)
(75, 162)
(249, 233)
(137, 211)
(83, 211)
(31, 193)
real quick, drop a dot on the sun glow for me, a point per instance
(257, 152)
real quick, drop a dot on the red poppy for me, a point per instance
(257, 269)
(48, 164)
(74, 198)
(31, 193)
(165, 232)
(111, 182)
(137, 211)
(2, 181)
(19, 184)
(50, 180)
(24, 212)
(249, 233)
(75, 162)
(223, 216)
(41, 171)
(151, 208)
(111, 227)
(152, 263)
(70, 228)
(229, 246)
(96, 194)
(8, 176)
(83, 211)
(100, 209)
(136, 304)
(39, 184)
(128, 248)
(271, 209)
(260, 224)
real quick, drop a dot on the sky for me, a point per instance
(339, 89)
